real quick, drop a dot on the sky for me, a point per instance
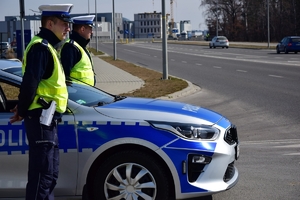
(182, 9)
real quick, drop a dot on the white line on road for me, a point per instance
(172, 60)
(198, 64)
(238, 70)
(263, 142)
(183, 61)
(217, 67)
(275, 76)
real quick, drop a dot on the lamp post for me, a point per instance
(114, 29)
(268, 24)
(96, 25)
(217, 19)
(164, 41)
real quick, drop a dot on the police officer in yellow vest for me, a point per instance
(43, 76)
(75, 58)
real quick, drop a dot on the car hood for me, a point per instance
(158, 110)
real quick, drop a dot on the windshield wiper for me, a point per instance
(118, 98)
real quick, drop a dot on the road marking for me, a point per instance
(238, 70)
(172, 60)
(206, 54)
(198, 64)
(262, 142)
(183, 61)
(291, 61)
(275, 76)
(217, 67)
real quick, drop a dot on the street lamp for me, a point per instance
(268, 8)
(268, 24)
(217, 19)
(96, 27)
(114, 29)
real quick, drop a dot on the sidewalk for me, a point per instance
(116, 81)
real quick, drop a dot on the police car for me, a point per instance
(116, 147)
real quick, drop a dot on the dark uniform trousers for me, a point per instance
(43, 159)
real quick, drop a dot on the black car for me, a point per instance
(289, 44)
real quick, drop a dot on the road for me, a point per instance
(258, 90)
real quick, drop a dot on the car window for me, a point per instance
(11, 92)
(222, 38)
(295, 39)
(80, 93)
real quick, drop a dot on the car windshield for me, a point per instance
(222, 38)
(80, 93)
(89, 96)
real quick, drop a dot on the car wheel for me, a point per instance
(131, 175)
(210, 46)
(277, 50)
(222, 47)
(296, 52)
(226, 47)
(285, 50)
(214, 46)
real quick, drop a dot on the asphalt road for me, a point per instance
(259, 91)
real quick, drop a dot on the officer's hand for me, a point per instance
(15, 117)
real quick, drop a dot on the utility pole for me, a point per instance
(96, 25)
(114, 29)
(164, 41)
(217, 28)
(22, 14)
(268, 24)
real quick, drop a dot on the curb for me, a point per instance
(190, 89)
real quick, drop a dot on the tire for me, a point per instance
(285, 51)
(226, 47)
(210, 46)
(296, 52)
(214, 46)
(277, 50)
(130, 175)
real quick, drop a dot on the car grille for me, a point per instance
(231, 136)
(229, 172)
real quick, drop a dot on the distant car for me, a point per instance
(117, 147)
(219, 41)
(4, 46)
(289, 44)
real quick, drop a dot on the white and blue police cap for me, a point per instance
(61, 11)
(85, 20)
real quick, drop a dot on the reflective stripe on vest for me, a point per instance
(54, 88)
(83, 70)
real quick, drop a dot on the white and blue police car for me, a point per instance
(115, 147)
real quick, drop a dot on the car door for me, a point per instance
(14, 151)
(282, 44)
(13, 148)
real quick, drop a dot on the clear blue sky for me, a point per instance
(182, 9)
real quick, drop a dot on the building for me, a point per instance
(128, 27)
(148, 25)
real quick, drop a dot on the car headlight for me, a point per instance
(189, 131)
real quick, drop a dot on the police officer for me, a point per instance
(44, 77)
(75, 57)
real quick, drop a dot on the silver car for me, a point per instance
(219, 41)
(117, 147)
